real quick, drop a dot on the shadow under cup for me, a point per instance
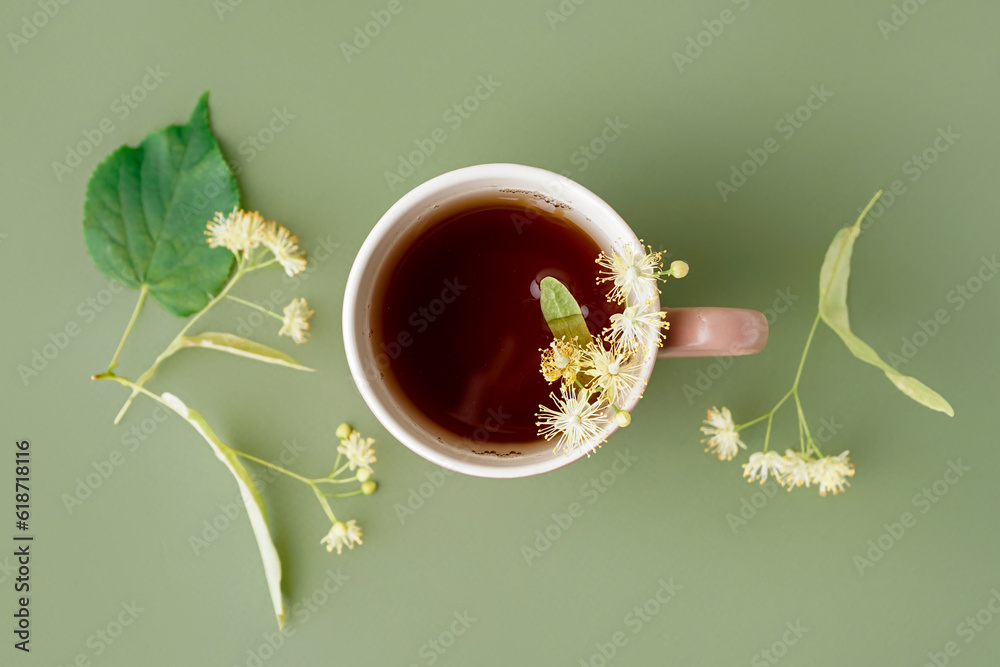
(407, 221)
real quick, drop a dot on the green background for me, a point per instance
(671, 515)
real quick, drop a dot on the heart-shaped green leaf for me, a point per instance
(146, 209)
(833, 277)
(562, 313)
(233, 344)
(251, 499)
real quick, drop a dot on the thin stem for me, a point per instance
(131, 323)
(274, 467)
(261, 266)
(754, 421)
(766, 414)
(339, 470)
(805, 426)
(175, 344)
(767, 434)
(138, 389)
(805, 351)
(323, 502)
(312, 483)
(802, 438)
(251, 304)
(110, 375)
(346, 480)
(343, 495)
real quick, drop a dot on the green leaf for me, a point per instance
(562, 313)
(233, 344)
(833, 277)
(145, 213)
(251, 498)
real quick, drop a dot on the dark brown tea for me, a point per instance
(459, 320)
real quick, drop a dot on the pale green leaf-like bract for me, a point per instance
(833, 278)
(233, 344)
(562, 313)
(251, 499)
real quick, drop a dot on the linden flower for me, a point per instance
(561, 360)
(678, 268)
(725, 441)
(831, 473)
(795, 471)
(358, 451)
(762, 464)
(239, 231)
(635, 327)
(615, 372)
(630, 270)
(296, 320)
(284, 245)
(342, 535)
(575, 420)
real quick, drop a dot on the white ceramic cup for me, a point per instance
(693, 331)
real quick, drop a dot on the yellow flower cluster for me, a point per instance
(794, 469)
(595, 377)
(242, 232)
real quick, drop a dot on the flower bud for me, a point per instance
(364, 474)
(344, 431)
(678, 269)
(623, 418)
(368, 488)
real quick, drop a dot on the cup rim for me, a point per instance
(570, 192)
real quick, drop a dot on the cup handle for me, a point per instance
(714, 332)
